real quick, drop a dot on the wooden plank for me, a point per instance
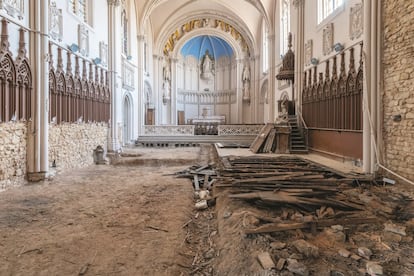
(196, 183)
(269, 141)
(261, 138)
(279, 227)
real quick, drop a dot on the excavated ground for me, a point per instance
(137, 218)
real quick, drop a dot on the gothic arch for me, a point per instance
(128, 115)
(264, 92)
(220, 26)
(7, 88)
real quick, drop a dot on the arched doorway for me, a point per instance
(127, 119)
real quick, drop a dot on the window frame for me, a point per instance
(265, 48)
(73, 8)
(324, 14)
(284, 26)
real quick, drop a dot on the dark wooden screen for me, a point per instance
(16, 91)
(76, 96)
(333, 101)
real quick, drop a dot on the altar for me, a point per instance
(218, 119)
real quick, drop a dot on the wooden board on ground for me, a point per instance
(261, 138)
(278, 227)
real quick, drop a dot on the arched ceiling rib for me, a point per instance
(248, 13)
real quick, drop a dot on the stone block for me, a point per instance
(307, 249)
(280, 264)
(298, 268)
(374, 269)
(265, 260)
(364, 252)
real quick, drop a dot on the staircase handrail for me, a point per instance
(304, 128)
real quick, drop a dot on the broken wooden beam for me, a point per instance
(279, 227)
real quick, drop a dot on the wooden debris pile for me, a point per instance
(265, 141)
(314, 193)
(202, 177)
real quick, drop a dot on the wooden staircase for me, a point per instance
(297, 137)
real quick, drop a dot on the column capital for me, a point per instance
(114, 2)
(298, 3)
(141, 37)
(158, 57)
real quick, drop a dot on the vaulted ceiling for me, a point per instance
(244, 15)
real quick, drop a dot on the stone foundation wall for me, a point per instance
(13, 161)
(398, 95)
(72, 145)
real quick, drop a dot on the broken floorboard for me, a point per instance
(278, 227)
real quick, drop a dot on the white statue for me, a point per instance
(167, 73)
(246, 83)
(207, 66)
(246, 74)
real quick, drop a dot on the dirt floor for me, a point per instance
(101, 220)
(138, 218)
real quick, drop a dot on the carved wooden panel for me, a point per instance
(78, 96)
(334, 102)
(15, 80)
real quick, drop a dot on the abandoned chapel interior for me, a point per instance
(285, 109)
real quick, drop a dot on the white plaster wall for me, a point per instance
(14, 25)
(341, 34)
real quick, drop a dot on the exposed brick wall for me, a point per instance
(71, 145)
(13, 161)
(398, 95)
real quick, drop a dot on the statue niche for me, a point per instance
(207, 66)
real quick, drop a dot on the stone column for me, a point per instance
(372, 17)
(140, 85)
(113, 71)
(38, 132)
(272, 78)
(299, 51)
(174, 87)
(239, 91)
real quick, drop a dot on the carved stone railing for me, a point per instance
(207, 97)
(234, 130)
(169, 130)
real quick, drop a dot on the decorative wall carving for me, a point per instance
(236, 130)
(76, 96)
(181, 130)
(205, 23)
(83, 40)
(356, 21)
(328, 39)
(332, 101)
(206, 97)
(55, 22)
(308, 51)
(13, 7)
(16, 92)
(127, 75)
(103, 53)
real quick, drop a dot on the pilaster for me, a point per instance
(38, 132)
(113, 72)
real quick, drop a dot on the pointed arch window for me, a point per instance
(265, 48)
(284, 25)
(328, 7)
